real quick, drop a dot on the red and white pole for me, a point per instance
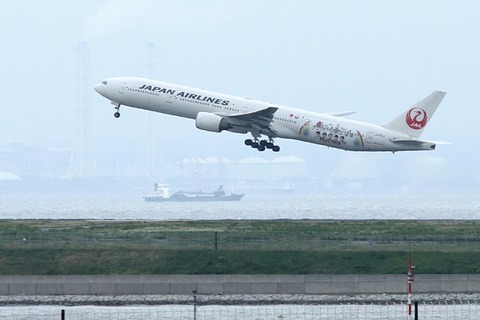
(410, 279)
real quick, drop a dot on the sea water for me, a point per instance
(465, 207)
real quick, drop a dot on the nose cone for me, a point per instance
(99, 87)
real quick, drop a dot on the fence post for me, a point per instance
(416, 310)
(216, 240)
(63, 314)
(194, 304)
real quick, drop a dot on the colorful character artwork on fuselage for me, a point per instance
(305, 129)
(335, 134)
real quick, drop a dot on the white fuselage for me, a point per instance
(288, 123)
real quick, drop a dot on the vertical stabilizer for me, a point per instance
(415, 119)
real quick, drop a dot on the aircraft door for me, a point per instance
(369, 138)
(122, 88)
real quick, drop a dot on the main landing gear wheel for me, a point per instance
(262, 145)
(116, 114)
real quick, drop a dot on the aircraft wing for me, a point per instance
(257, 122)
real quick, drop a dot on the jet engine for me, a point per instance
(211, 122)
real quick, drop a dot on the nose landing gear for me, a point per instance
(117, 107)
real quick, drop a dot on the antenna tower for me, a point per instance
(151, 147)
(82, 163)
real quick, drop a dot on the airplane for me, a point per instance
(218, 112)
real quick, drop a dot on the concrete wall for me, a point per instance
(235, 284)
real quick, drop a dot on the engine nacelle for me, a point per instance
(211, 122)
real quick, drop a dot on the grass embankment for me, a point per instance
(238, 247)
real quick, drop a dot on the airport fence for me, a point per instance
(465, 310)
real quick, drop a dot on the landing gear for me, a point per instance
(117, 113)
(261, 145)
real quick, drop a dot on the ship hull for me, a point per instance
(184, 198)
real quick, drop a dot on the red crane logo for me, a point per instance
(416, 118)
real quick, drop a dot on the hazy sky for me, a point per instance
(374, 57)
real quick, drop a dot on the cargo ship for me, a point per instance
(161, 193)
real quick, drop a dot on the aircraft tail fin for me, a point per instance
(415, 119)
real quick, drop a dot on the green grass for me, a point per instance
(243, 247)
(120, 261)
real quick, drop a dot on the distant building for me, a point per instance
(254, 168)
(24, 160)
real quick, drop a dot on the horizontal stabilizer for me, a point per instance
(409, 141)
(441, 142)
(417, 141)
(415, 144)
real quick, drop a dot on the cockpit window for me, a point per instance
(104, 82)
